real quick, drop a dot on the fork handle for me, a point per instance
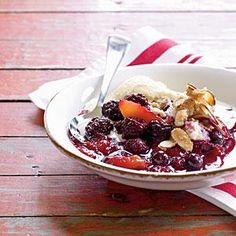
(116, 48)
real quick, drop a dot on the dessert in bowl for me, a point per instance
(149, 135)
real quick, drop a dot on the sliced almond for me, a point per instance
(201, 110)
(189, 90)
(189, 105)
(201, 95)
(178, 102)
(167, 144)
(180, 117)
(182, 139)
(210, 98)
(191, 86)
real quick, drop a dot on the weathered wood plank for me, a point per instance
(21, 119)
(18, 84)
(35, 156)
(75, 55)
(92, 27)
(63, 41)
(115, 5)
(93, 196)
(176, 225)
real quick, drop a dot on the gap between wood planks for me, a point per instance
(117, 11)
(43, 68)
(64, 68)
(105, 215)
(45, 175)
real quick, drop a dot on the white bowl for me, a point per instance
(66, 104)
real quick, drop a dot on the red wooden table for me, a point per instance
(42, 192)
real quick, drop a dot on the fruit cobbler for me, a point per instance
(146, 126)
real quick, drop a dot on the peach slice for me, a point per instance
(135, 110)
(134, 162)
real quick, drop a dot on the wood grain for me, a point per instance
(36, 156)
(17, 84)
(43, 192)
(21, 119)
(115, 5)
(150, 226)
(62, 41)
(71, 26)
(92, 196)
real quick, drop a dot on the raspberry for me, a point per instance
(98, 126)
(136, 146)
(176, 151)
(157, 131)
(138, 98)
(112, 111)
(133, 128)
(178, 163)
(159, 157)
(194, 162)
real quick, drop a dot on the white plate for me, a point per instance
(66, 104)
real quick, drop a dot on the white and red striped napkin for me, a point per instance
(149, 46)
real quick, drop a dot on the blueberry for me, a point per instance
(194, 162)
(217, 137)
(159, 157)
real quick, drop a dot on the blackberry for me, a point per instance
(136, 146)
(112, 111)
(119, 126)
(216, 137)
(157, 131)
(133, 128)
(138, 98)
(194, 162)
(159, 157)
(98, 126)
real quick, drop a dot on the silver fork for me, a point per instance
(116, 48)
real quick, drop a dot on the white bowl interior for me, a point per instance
(70, 101)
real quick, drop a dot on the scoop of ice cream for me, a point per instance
(196, 131)
(146, 86)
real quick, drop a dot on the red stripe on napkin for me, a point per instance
(195, 59)
(182, 60)
(229, 188)
(150, 54)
